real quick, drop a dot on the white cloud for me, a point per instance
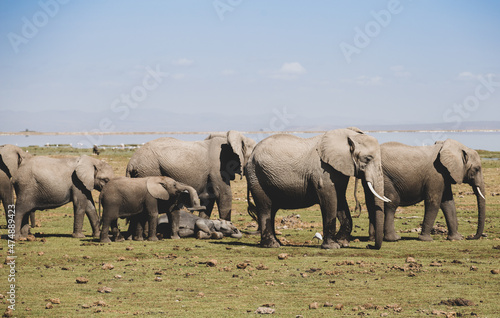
(183, 62)
(399, 71)
(365, 80)
(289, 71)
(228, 72)
(468, 76)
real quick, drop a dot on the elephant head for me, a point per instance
(93, 173)
(464, 166)
(163, 187)
(227, 228)
(353, 153)
(11, 158)
(235, 153)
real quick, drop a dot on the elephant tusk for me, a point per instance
(480, 193)
(370, 186)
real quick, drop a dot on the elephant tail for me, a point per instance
(252, 209)
(358, 204)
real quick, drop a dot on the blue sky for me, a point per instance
(361, 61)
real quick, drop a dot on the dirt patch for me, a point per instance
(457, 302)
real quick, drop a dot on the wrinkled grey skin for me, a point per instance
(425, 173)
(46, 183)
(144, 197)
(288, 172)
(13, 156)
(191, 225)
(208, 166)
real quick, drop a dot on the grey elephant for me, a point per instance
(208, 166)
(144, 198)
(45, 183)
(11, 156)
(191, 225)
(288, 172)
(426, 173)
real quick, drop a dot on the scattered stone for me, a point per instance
(262, 267)
(212, 263)
(85, 306)
(31, 238)
(82, 280)
(158, 279)
(100, 303)
(40, 253)
(435, 264)
(327, 304)
(8, 313)
(314, 305)
(49, 305)
(283, 256)
(410, 259)
(495, 271)
(201, 294)
(105, 289)
(107, 266)
(86, 257)
(339, 307)
(242, 265)
(473, 268)
(129, 248)
(121, 258)
(265, 310)
(118, 276)
(457, 302)
(55, 301)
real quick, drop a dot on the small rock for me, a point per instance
(242, 265)
(107, 266)
(31, 238)
(49, 305)
(339, 307)
(40, 253)
(8, 313)
(473, 268)
(82, 280)
(200, 294)
(129, 248)
(435, 264)
(495, 271)
(212, 263)
(85, 306)
(283, 256)
(262, 267)
(105, 289)
(410, 259)
(118, 276)
(56, 301)
(314, 305)
(100, 303)
(327, 304)
(158, 279)
(265, 310)
(86, 257)
(121, 258)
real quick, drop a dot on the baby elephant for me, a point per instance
(125, 197)
(192, 225)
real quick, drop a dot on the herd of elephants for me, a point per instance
(282, 171)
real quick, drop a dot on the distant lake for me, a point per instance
(486, 140)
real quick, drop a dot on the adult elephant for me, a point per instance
(425, 173)
(288, 172)
(43, 182)
(208, 166)
(11, 156)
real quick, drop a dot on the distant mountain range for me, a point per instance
(165, 121)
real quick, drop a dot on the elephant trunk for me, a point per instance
(195, 200)
(481, 210)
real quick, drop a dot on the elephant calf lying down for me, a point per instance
(201, 228)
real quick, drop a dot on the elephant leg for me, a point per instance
(209, 205)
(115, 230)
(344, 216)
(328, 204)
(431, 211)
(91, 213)
(32, 219)
(21, 227)
(389, 228)
(186, 232)
(174, 221)
(153, 223)
(450, 215)
(224, 203)
(140, 224)
(104, 235)
(266, 216)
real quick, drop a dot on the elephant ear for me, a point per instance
(335, 148)
(453, 157)
(235, 140)
(12, 157)
(85, 171)
(156, 188)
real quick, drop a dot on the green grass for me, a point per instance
(363, 281)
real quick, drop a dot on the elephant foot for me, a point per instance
(78, 235)
(105, 240)
(120, 239)
(96, 234)
(371, 238)
(372, 247)
(153, 238)
(138, 238)
(474, 237)
(343, 242)
(330, 245)
(175, 237)
(25, 230)
(425, 237)
(392, 237)
(202, 235)
(270, 243)
(455, 237)
(217, 235)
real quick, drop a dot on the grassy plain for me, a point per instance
(233, 278)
